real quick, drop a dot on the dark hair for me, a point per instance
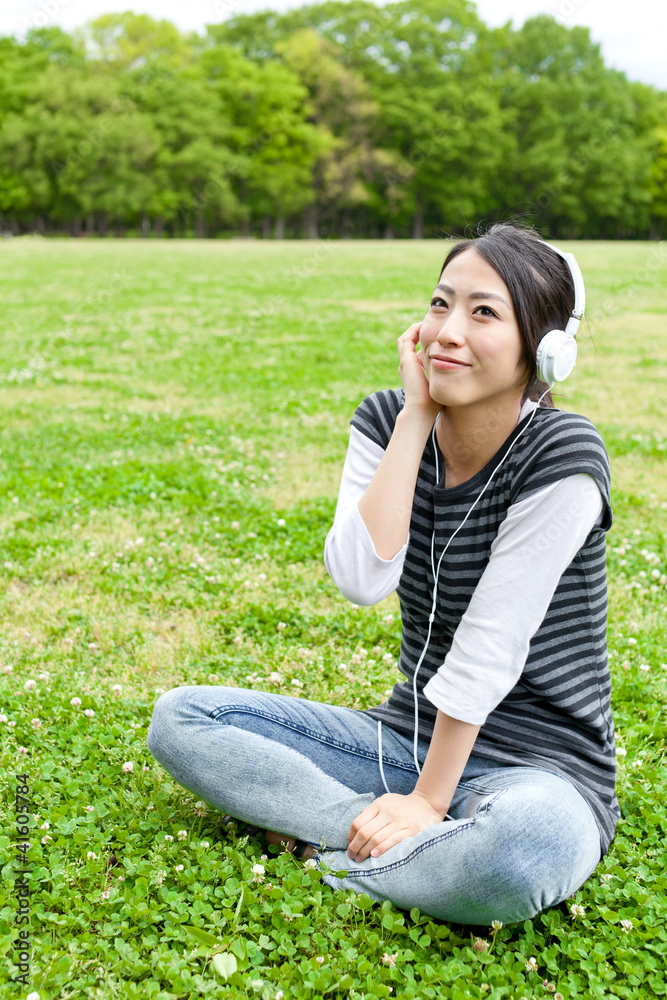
(539, 282)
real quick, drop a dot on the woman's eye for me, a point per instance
(437, 302)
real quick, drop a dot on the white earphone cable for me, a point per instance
(436, 574)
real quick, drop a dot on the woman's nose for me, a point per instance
(452, 330)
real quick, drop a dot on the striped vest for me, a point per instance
(558, 715)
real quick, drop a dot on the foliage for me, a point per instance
(173, 430)
(338, 118)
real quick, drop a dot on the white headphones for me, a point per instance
(557, 351)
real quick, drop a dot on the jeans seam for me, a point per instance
(422, 847)
(312, 733)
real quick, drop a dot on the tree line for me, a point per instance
(334, 119)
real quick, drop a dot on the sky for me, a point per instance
(634, 44)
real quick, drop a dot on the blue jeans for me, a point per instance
(521, 838)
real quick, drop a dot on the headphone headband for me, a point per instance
(579, 291)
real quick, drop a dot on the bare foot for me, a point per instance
(289, 842)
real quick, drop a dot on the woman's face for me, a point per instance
(471, 320)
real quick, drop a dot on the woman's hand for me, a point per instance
(413, 376)
(389, 820)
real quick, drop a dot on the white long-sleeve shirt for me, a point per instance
(488, 651)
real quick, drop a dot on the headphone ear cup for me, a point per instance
(556, 356)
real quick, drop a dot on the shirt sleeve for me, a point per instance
(535, 544)
(360, 574)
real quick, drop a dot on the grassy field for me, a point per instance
(174, 423)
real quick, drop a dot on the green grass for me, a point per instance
(174, 423)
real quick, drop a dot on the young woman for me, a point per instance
(483, 788)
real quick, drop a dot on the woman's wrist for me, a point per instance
(418, 418)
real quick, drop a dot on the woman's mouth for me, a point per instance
(447, 364)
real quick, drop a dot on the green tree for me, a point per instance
(578, 159)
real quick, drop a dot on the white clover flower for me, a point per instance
(213, 678)
(29, 685)
(310, 863)
(577, 911)
(128, 767)
(32, 996)
(182, 834)
(274, 678)
(627, 925)
(204, 844)
(105, 894)
(281, 626)
(621, 752)
(179, 868)
(36, 723)
(235, 525)
(75, 702)
(116, 688)
(280, 995)
(319, 959)
(496, 925)
(11, 724)
(91, 856)
(389, 959)
(606, 877)
(22, 751)
(3, 718)
(45, 825)
(548, 986)
(90, 809)
(632, 642)
(88, 712)
(168, 837)
(46, 838)
(296, 683)
(531, 964)
(44, 676)
(258, 872)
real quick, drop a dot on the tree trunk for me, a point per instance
(90, 224)
(388, 231)
(200, 229)
(102, 223)
(117, 228)
(309, 222)
(145, 226)
(159, 226)
(245, 227)
(74, 226)
(280, 228)
(346, 224)
(266, 227)
(39, 225)
(418, 220)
